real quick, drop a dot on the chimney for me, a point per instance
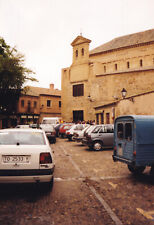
(52, 86)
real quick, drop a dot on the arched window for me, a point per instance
(76, 53)
(82, 51)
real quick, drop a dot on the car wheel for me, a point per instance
(97, 146)
(70, 138)
(136, 169)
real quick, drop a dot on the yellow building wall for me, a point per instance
(32, 109)
(141, 105)
(54, 110)
(102, 81)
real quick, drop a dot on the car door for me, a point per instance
(106, 134)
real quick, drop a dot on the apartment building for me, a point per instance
(34, 103)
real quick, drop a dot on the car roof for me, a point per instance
(21, 130)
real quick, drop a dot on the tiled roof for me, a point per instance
(125, 41)
(36, 91)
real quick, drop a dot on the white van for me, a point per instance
(51, 120)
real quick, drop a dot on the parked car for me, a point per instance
(86, 132)
(34, 126)
(78, 135)
(134, 142)
(101, 137)
(50, 133)
(63, 129)
(69, 133)
(51, 120)
(48, 125)
(23, 126)
(26, 157)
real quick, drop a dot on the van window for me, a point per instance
(128, 131)
(120, 130)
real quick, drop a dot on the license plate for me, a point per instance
(16, 158)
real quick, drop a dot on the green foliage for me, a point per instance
(13, 75)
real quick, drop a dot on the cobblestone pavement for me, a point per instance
(89, 188)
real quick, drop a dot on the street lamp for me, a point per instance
(123, 92)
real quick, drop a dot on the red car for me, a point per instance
(63, 129)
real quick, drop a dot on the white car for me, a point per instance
(25, 157)
(22, 126)
(78, 135)
(75, 127)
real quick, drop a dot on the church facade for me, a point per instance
(92, 85)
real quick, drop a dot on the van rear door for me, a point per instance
(124, 140)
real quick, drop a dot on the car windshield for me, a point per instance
(21, 138)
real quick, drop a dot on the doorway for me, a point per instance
(78, 115)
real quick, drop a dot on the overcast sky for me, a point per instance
(43, 30)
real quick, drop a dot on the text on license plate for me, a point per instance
(16, 158)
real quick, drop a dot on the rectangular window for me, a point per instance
(35, 104)
(59, 104)
(97, 118)
(141, 63)
(120, 131)
(116, 67)
(102, 118)
(128, 65)
(48, 103)
(22, 103)
(78, 90)
(128, 131)
(104, 69)
(29, 104)
(107, 118)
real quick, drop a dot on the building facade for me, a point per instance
(92, 85)
(34, 104)
(37, 103)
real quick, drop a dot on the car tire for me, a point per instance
(136, 169)
(70, 138)
(98, 146)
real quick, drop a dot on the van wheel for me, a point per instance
(97, 146)
(136, 169)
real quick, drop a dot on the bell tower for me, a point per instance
(80, 50)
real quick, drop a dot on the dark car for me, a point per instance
(50, 133)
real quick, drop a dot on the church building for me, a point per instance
(116, 78)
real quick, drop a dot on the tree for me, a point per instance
(13, 75)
